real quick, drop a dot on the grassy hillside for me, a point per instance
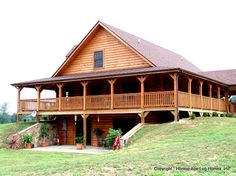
(8, 128)
(204, 146)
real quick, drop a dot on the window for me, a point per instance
(98, 59)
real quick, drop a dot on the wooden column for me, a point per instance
(84, 116)
(218, 96)
(142, 79)
(59, 95)
(18, 103)
(142, 115)
(210, 94)
(175, 78)
(190, 91)
(227, 100)
(112, 82)
(200, 93)
(84, 84)
(38, 89)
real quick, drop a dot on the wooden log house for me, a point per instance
(113, 79)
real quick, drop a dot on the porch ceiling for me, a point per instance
(108, 74)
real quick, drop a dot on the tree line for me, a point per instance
(5, 117)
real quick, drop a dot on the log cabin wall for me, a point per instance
(115, 56)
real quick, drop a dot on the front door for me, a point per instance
(66, 130)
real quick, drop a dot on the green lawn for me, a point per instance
(204, 146)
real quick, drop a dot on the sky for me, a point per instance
(36, 35)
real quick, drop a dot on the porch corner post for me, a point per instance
(142, 79)
(210, 94)
(200, 92)
(190, 91)
(218, 96)
(175, 78)
(84, 116)
(227, 100)
(112, 82)
(38, 89)
(84, 84)
(18, 103)
(59, 96)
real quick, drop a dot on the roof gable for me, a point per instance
(91, 39)
(154, 55)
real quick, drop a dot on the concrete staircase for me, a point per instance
(125, 138)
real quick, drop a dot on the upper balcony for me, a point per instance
(130, 94)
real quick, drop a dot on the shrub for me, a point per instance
(44, 131)
(79, 139)
(205, 114)
(214, 114)
(112, 133)
(193, 116)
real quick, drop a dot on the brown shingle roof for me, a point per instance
(225, 76)
(157, 55)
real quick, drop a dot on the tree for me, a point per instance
(3, 108)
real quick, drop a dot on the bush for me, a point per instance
(112, 133)
(193, 116)
(205, 114)
(214, 114)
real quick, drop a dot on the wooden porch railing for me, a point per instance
(215, 104)
(196, 101)
(28, 105)
(48, 104)
(72, 103)
(184, 99)
(130, 100)
(206, 102)
(232, 107)
(98, 102)
(126, 101)
(159, 99)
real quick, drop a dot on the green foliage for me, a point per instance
(112, 133)
(205, 114)
(214, 114)
(5, 117)
(44, 130)
(97, 132)
(193, 116)
(27, 138)
(79, 139)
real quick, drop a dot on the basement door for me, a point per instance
(66, 130)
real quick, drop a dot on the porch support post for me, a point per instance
(210, 94)
(218, 96)
(190, 91)
(18, 103)
(142, 79)
(59, 95)
(200, 93)
(142, 115)
(84, 116)
(84, 84)
(175, 77)
(38, 89)
(112, 82)
(227, 100)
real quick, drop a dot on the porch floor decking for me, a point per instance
(69, 149)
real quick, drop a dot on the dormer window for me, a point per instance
(98, 59)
